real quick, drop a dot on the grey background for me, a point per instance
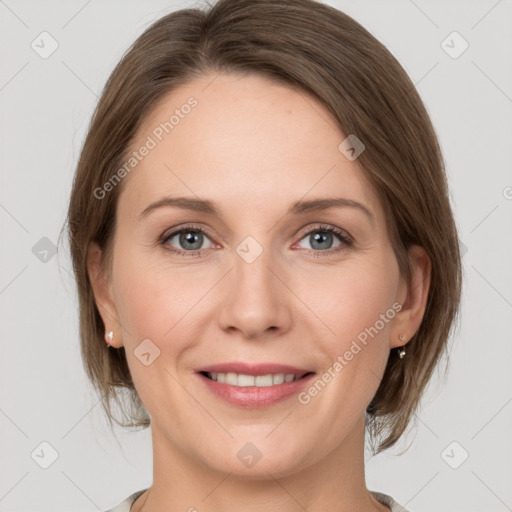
(46, 106)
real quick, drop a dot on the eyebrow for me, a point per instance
(297, 208)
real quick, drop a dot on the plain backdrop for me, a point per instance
(460, 451)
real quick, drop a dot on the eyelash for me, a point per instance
(346, 241)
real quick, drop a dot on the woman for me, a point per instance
(261, 232)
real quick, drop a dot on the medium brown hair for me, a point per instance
(325, 53)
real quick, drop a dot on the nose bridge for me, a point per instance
(255, 300)
(252, 263)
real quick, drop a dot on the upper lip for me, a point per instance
(253, 369)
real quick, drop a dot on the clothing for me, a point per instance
(125, 505)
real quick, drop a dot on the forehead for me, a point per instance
(246, 142)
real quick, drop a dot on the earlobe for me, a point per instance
(102, 291)
(409, 319)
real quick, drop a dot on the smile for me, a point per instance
(254, 391)
(243, 380)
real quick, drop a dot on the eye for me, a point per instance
(322, 237)
(187, 241)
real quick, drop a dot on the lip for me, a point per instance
(253, 369)
(254, 397)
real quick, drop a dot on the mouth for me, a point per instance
(260, 381)
(254, 386)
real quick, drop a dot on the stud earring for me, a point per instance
(401, 350)
(109, 337)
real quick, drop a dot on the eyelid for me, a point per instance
(325, 227)
(184, 227)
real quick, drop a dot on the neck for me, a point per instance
(335, 482)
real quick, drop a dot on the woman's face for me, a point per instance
(267, 282)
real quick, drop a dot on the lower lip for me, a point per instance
(254, 397)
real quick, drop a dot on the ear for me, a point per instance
(413, 297)
(103, 296)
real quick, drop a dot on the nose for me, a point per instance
(256, 301)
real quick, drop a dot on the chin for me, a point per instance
(256, 460)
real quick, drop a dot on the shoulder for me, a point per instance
(126, 504)
(387, 500)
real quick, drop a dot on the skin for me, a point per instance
(253, 147)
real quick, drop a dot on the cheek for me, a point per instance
(357, 306)
(157, 301)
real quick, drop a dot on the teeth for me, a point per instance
(278, 378)
(242, 380)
